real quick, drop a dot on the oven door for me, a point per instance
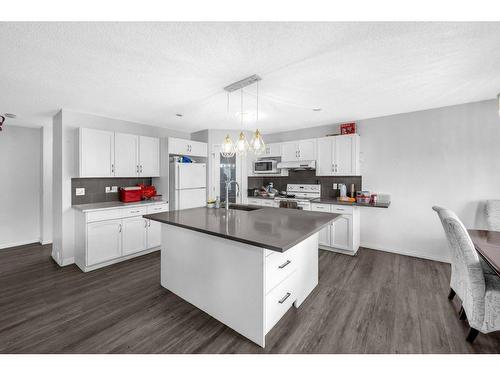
(265, 166)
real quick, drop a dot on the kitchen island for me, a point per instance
(245, 266)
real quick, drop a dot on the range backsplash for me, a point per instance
(307, 177)
(95, 188)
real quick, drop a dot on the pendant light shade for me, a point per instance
(242, 145)
(227, 149)
(258, 146)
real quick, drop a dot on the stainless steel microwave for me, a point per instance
(265, 166)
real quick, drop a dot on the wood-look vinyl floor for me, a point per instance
(375, 302)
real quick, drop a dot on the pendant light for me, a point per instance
(258, 146)
(242, 145)
(227, 149)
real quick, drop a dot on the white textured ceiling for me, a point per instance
(148, 72)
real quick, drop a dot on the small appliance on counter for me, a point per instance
(363, 197)
(130, 194)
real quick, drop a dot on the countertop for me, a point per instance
(276, 229)
(335, 201)
(111, 205)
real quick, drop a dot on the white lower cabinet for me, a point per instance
(104, 237)
(134, 235)
(343, 235)
(104, 241)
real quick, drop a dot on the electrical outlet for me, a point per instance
(335, 186)
(80, 191)
(107, 189)
(114, 189)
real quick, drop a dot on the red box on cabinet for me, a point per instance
(130, 194)
(348, 128)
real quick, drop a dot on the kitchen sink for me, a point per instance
(243, 207)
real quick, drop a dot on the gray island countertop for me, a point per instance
(276, 229)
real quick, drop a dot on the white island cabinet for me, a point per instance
(111, 232)
(244, 268)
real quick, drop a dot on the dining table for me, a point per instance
(487, 244)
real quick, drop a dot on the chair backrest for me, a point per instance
(493, 215)
(467, 277)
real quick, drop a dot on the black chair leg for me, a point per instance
(462, 314)
(472, 335)
(452, 294)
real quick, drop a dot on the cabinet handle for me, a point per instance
(145, 223)
(141, 168)
(112, 168)
(120, 228)
(134, 212)
(284, 298)
(340, 209)
(285, 264)
(137, 169)
(149, 223)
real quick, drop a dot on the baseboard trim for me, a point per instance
(46, 242)
(406, 253)
(20, 243)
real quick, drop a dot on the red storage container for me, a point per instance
(130, 194)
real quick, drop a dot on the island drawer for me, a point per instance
(279, 300)
(278, 267)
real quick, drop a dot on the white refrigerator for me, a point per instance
(188, 185)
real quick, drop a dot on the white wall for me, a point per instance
(20, 190)
(447, 156)
(46, 183)
(65, 161)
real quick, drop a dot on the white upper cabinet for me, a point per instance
(108, 154)
(338, 156)
(96, 149)
(301, 150)
(273, 150)
(179, 146)
(149, 156)
(126, 155)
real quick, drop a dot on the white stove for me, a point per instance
(302, 194)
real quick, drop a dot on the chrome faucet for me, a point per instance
(228, 184)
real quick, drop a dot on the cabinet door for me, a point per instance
(178, 146)
(325, 157)
(198, 149)
(345, 155)
(273, 150)
(103, 241)
(154, 234)
(126, 155)
(134, 235)
(342, 232)
(96, 153)
(324, 234)
(307, 150)
(149, 156)
(289, 152)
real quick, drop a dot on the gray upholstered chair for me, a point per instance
(478, 290)
(493, 215)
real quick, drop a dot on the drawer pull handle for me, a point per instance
(285, 264)
(134, 212)
(284, 298)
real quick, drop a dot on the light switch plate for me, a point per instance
(114, 189)
(80, 191)
(335, 186)
(107, 189)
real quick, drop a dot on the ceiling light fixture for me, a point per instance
(316, 109)
(242, 146)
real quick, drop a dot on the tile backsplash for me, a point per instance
(95, 188)
(308, 177)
